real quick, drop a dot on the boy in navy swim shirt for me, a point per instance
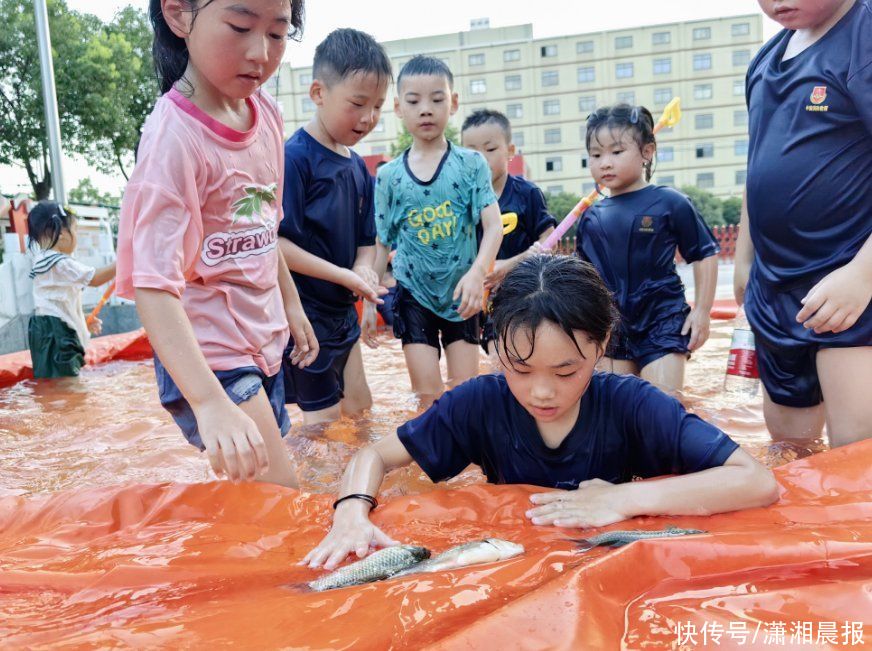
(804, 256)
(522, 203)
(328, 230)
(551, 421)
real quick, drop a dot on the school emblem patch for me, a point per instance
(647, 224)
(818, 95)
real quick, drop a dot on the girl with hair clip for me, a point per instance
(631, 237)
(198, 231)
(550, 420)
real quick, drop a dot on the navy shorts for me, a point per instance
(661, 338)
(786, 351)
(240, 384)
(386, 309)
(322, 384)
(415, 324)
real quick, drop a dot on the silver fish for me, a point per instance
(375, 567)
(621, 538)
(488, 550)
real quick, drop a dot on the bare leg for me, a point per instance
(786, 423)
(666, 373)
(845, 375)
(423, 364)
(617, 366)
(462, 358)
(281, 471)
(325, 415)
(358, 397)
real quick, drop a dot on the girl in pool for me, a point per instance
(550, 420)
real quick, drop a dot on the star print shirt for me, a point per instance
(433, 223)
(199, 220)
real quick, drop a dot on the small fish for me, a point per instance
(621, 538)
(488, 550)
(375, 567)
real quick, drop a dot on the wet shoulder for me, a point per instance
(621, 393)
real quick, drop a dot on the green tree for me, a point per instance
(708, 205)
(86, 193)
(732, 209)
(560, 204)
(404, 140)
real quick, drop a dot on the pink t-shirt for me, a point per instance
(200, 220)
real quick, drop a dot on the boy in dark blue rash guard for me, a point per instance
(631, 238)
(328, 230)
(521, 202)
(804, 255)
(551, 421)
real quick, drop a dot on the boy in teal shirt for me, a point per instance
(428, 202)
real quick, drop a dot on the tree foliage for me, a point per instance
(86, 193)
(709, 206)
(732, 210)
(404, 140)
(560, 204)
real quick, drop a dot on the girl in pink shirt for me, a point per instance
(197, 237)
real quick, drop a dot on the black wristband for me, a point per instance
(357, 496)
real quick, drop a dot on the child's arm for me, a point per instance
(231, 438)
(305, 343)
(352, 530)
(502, 267)
(102, 275)
(744, 254)
(705, 281)
(470, 289)
(740, 483)
(838, 300)
(363, 266)
(369, 322)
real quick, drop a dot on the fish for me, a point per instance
(379, 565)
(621, 538)
(488, 550)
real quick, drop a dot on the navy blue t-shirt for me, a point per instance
(809, 184)
(526, 201)
(626, 428)
(631, 240)
(328, 211)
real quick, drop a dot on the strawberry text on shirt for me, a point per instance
(221, 246)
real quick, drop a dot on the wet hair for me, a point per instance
(421, 64)
(46, 222)
(636, 120)
(561, 289)
(170, 52)
(481, 117)
(346, 52)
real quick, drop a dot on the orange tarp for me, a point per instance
(206, 565)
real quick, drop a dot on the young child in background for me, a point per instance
(549, 420)
(429, 201)
(198, 231)
(57, 332)
(631, 238)
(521, 202)
(804, 253)
(328, 231)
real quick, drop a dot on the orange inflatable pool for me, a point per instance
(112, 535)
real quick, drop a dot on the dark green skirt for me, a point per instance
(54, 347)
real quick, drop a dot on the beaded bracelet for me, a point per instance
(358, 496)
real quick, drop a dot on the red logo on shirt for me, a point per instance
(818, 95)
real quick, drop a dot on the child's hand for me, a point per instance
(470, 292)
(306, 346)
(369, 325)
(837, 301)
(538, 249)
(232, 440)
(697, 324)
(596, 503)
(95, 327)
(495, 277)
(362, 286)
(351, 532)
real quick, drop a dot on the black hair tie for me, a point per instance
(357, 496)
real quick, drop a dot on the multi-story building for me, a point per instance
(548, 86)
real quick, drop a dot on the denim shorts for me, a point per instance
(240, 384)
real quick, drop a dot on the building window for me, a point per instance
(518, 138)
(741, 57)
(623, 70)
(586, 74)
(552, 136)
(513, 82)
(665, 154)
(741, 177)
(738, 87)
(515, 111)
(626, 97)
(702, 33)
(305, 78)
(740, 118)
(702, 91)
(584, 47)
(511, 55)
(584, 161)
(551, 107)
(550, 78)
(477, 87)
(704, 120)
(740, 148)
(548, 50)
(587, 104)
(741, 29)
(702, 61)
(661, 38)
(662, 96)
(554, 164)
(666, 180)
(705, 180)
(379, 126)
(308, 105)
(476, 59)
(623, 42)
(705, 150)
(554, 189)
(662, 66)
